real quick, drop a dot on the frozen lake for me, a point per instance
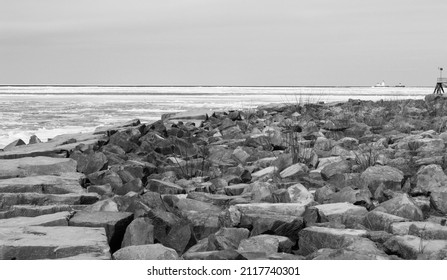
(47, 111)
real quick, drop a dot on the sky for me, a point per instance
(222, 42)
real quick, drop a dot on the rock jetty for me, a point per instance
(352, 180)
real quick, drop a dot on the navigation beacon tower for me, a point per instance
(440, 82)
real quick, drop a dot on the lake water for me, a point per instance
(47, 111)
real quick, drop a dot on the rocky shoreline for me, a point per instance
(352, 180)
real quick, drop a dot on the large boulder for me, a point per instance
(295, 170)
(268, 244)
(338, 213)
(61, 184)
(12, 145)
(214, 255)
(424, 230)
(59, 146)
(403, 206)
(31, 166)
(282, 219)
(430, 178)
(409, 247)
(360, 249)
(106, 177)
(90, 162)
(55, 219)
(127, 139)
(115, 224)
(335, 168)
(227, 238)
(389, 176)
(381, 221)
(146, 252)
(439, 201)
(164, 187)
(313, 238)
(36, 242)
(357, 197)
(300, 194)
(139, 232)
(10, 199)
(33, 210)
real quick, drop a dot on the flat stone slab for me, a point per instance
(64, 183)
(409, 246)
(114, 223)
(56, 219)
(188, 115)
(32, 166)
(376, 220)
(33, 210)
(425, 230)
(287, 209)
(35, 242)
(163, 187)
(313, 238)
(10, 199)
(343, 213)
(146, 252)
(59, 146)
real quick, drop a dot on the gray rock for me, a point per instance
(90, 162)
(33, 210)
(49, 184)
(269, 244)
(12, 145)
(34, 140)
(227, 238)
(260, 191)
(389, 176)
(106, 177)
(139, 232)
(32, 166)
(214, 255)
(299, 194)
(335, 168)
(340, 213)
(439, 201)
(360, 249)
(100, 189)
(108, 205)
(164, 187)
(313, 238)
(381, 221)
(146, 252)
(59, 146)
(55, 219)
(357, 197)
(9, 199)
(430, 178)
(295, 170)
(402, 206)
(409, 247)
(268, 171)
(34, 242)
(424, 230)
(322, 195)
(115, 224)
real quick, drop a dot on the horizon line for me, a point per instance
(146, 85)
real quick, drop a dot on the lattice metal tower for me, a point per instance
(440, 82)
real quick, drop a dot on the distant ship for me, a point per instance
(382, 84)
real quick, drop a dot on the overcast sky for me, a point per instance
(222, 42)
